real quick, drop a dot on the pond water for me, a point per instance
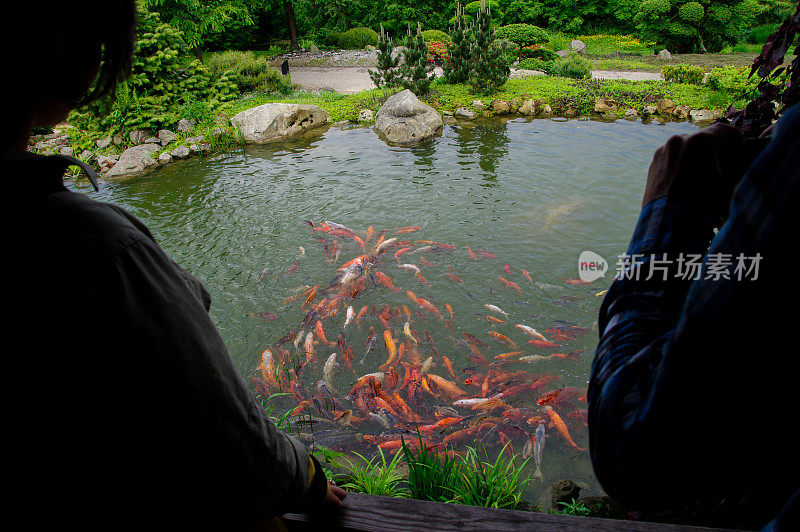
(533, 193)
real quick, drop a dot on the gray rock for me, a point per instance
(463, 112)
(217, 132)
(405, 120)
(605, 105)
(499, 107)
(563, 53)
(194, 149)
(478, 105)
(701, 115)
(87, 156)
(664, 55)
(665, 106)
(138, 136)
(181, 152)
(631, 114)
(185, 126)
(165, 136)
(276, 121)
(525, 73)
(680, 112)
(528, 108)
(134, 161)
(103, 143)
(546, 109)
(648, 110)
(577, 47)
(564, 491)
(117, 139)
(69, 151)
(165, 158)
(313, 49)
(193, 140)
(366, 115)
(152, 140)
(105, 163)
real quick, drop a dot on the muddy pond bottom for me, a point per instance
(442, 277)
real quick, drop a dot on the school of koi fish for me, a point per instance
(407, 386)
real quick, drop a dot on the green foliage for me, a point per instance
(491, 485)
(509, 48)
(522, 11)
(375, 477)
(573, 66)
(488, 60)
(533, 63)
(575, 508)
(356, 38)
(732, 79)
(431, 476)
(683, 74)
(456, 69)
(416, 73)
(386, 74)
(472, 8)
(248, 71)
(686, 26)
(522, 34)
(538, 53)
(435, 35)
(199, 19)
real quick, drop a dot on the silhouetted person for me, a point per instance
(123, 409)
(693, 388)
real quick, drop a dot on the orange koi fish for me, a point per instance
(572, 355)
(441, 424)
(409, 229)
(578, 281)
(370, 233)
(311, 294)
(421, 278)
(293, 268)
(390, 378)
(580, 415)
(510, 284)
(348, 357)
(490, 318)
(408, 413)
(487, 255)
(454, 277)
(390, 347)
(445, 385)
(543, 343)
(449, 366)
(399, 252)
(471, 253)
(321, 333)
(358, 260)
(526, 274)
(449, 309)
(502, 338)
(560, 395)
(510, 354)
(412, 296)
(362, 313)
(426, 262)
(561, 427)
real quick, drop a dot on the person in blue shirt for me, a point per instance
(692, 392)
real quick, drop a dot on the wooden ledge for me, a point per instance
(388, 514)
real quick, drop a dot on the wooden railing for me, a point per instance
(388, 514)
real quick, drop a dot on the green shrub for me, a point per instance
(732, 79)
(435, 35)
(471, 8)
(491, 485)
(509, 48)
(573, 66)
(375, 477)
(537, 52)
(248, 71)
(690, 74)
(356, 38)
(522, 34)
(533, 63)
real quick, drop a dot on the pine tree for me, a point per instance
(386, 74)
(456, 69)
(488, 68)
(415, 69)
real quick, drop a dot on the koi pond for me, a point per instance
(458, 259)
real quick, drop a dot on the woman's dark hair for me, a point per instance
(80, 49)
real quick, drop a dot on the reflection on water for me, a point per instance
(533, 193)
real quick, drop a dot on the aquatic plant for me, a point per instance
(492, 485)
(431, 476)
(375, 476)
(575, 507)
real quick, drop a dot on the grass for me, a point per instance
(491, 485)
(431, 476)
(375, 476)
(622, 64)
(575, 507)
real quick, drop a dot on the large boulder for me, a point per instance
(577, 47)
(405, 120)
(134, 161)
(276, 121)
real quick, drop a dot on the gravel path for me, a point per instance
(345, 71)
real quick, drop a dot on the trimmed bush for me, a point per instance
(533, 63)
(248, 71)
(523, 34)
(690, 74)
(435, 35)
(537, 52)
(356, 38)
(572, 66)
(732, 79)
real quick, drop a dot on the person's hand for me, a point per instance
(335, 496)
(703, 167)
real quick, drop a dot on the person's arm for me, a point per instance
(662, 429)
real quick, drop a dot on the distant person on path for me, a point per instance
(693, 391)
(123, 408)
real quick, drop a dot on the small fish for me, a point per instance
(268, 316)
(302, 250)
(351, 315)
(510, 284)
(345, 418)
(293, 268)
(407, 332)
(385, 281)
(601, 293)
(371, 339)
(327, 371)
(497, 309)
(531, 359)
(526, 274)
(538, 447)
(531, 331)
(409, 229)
(561, 427)
(449, 366)
(321, 332)
(502, 338)
(454, 277)
(471, 253)
(264, 272)
(399, 252)
(421, 278)
(507, 269)
(411, 267)
(383, 245)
